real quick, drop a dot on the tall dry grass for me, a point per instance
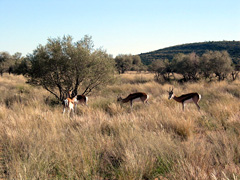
(110, 141)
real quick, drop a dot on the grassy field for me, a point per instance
(110, 141)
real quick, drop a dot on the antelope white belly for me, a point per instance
(70, 105)
(136, 100)
(189, 101)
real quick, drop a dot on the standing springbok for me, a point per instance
(78, 99)
(81, 99)
(138, 96)
(186, 98)
(69, 103)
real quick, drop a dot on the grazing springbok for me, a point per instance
(138, 96)
(186, 98)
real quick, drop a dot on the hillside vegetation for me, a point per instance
(232, 47)
(110, 141)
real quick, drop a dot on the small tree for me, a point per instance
(123, 63)
(187, 65)
(8, 62)
(137, 64)
(161, 68)
(62, 65)
(206, 66)
(216, 62)
(5, 62)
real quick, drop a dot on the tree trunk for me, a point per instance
(234, 75)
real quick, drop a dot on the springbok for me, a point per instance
(81, 99)
(78, 99)
(186, 98)
(138, 96)
(69, 103)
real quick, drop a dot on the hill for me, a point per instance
(233, 48)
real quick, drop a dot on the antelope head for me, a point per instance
(119, 98)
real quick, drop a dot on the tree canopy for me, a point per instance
(62, 65)
(126, 62)
(8, 62)
(193, 67)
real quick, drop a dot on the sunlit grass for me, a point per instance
(108, 140)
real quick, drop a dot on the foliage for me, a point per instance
(186, 65)
(10, 63)
(62, 65)
(161, 68)
(128, 62)
(6, 62)
(232, 47)
(192, 67)
(21, 66)
(215, 62)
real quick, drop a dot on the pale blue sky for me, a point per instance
(119, 27)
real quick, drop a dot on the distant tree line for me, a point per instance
(64, 65)
(232, 47)
(211, 65)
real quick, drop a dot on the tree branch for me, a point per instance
(51, 92)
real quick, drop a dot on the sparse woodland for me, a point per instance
(108, 140)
